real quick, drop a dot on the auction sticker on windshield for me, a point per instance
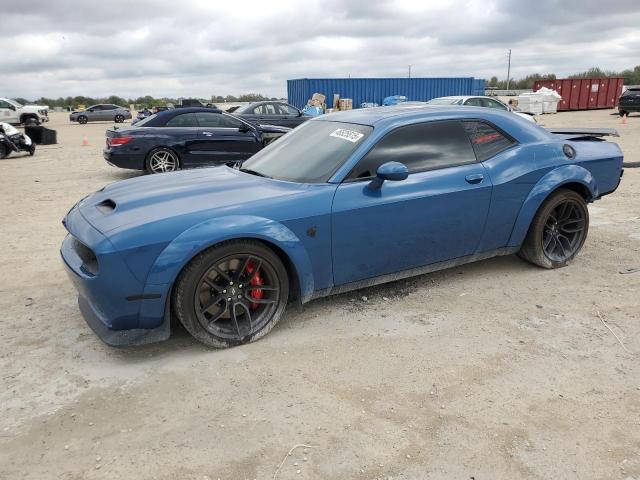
(348, 135)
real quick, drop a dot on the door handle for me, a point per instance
(207, 134)
(474, 178)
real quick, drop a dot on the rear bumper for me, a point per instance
(118, 157)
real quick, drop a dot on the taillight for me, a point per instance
(117, 141)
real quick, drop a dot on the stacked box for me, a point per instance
(346, 104)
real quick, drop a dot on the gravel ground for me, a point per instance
(495, 370)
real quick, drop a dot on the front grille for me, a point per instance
(89, 260)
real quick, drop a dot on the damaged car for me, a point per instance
(345, 201)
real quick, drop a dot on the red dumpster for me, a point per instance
(584, 93)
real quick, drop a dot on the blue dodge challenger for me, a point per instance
(344, 201)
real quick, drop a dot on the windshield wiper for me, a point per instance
(253, 172)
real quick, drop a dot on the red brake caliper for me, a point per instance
(255, 280)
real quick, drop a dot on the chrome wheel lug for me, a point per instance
(230, 283)
(229, 299)
(224, 291)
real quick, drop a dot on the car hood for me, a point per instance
(191, 196)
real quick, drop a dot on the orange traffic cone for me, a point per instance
(85, 141)
(623, 121)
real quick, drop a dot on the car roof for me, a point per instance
(173, 112)
(397, 115)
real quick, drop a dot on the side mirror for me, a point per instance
(392, 171)
(300, 113)
(245, 128)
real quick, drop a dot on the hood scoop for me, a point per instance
(106, 206)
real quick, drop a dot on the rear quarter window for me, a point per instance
(487, 141)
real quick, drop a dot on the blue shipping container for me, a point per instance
(362, 90)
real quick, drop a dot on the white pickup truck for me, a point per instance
(17, 114)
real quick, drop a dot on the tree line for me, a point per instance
(141, 102)
(631, 77)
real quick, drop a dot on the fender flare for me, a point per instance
(551, 181)
(204, 235)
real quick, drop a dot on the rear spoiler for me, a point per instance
(575, 133)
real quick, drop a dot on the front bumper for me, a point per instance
(117, 306)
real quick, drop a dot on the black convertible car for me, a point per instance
(186, 137)
(272, 113)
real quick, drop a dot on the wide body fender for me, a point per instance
(548, 183)
(210, 232)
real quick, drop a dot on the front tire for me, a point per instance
(4, 152)
(162, 160)
(31, 122)
(558, 231)
(82, 119)
(231, 294)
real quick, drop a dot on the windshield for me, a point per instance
(145, 120)
(443, 101)
(309, 154)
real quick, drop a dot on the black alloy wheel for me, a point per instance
(558, 230)
(119, 119)
(82, 119)
(564, 231)
(232, 294)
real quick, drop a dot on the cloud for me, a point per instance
(200, 48)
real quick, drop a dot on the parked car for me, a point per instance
(486, 102)
(629, 101)
(101, 112)
(186, 137)
(345, 201)
(272, 113)
(17, 114)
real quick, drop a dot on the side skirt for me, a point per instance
(392, 277)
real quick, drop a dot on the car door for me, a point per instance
(437, 214)
(268, 114)
(224, 139)
(8, 112)
(289, 116)
(181, 134)
(93, 113)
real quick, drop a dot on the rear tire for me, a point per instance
(622, 113)
(119, 119)
(4, 152)
(558, 230)
(231, 294)
(162, 160)
(32, 150)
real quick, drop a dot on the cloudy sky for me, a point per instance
(212, 47)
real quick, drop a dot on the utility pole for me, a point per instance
(409, 71)
(509, 69)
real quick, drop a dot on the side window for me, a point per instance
(486, 140)
(217, 120)
(4, 104)
(259, 110)
(184, 120)
(423, 146)
(286, 109)
(110, 107)
(474, 102)
(491, 103)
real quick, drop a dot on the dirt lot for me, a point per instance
(496, 370)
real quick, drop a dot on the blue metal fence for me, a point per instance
(361, 90)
